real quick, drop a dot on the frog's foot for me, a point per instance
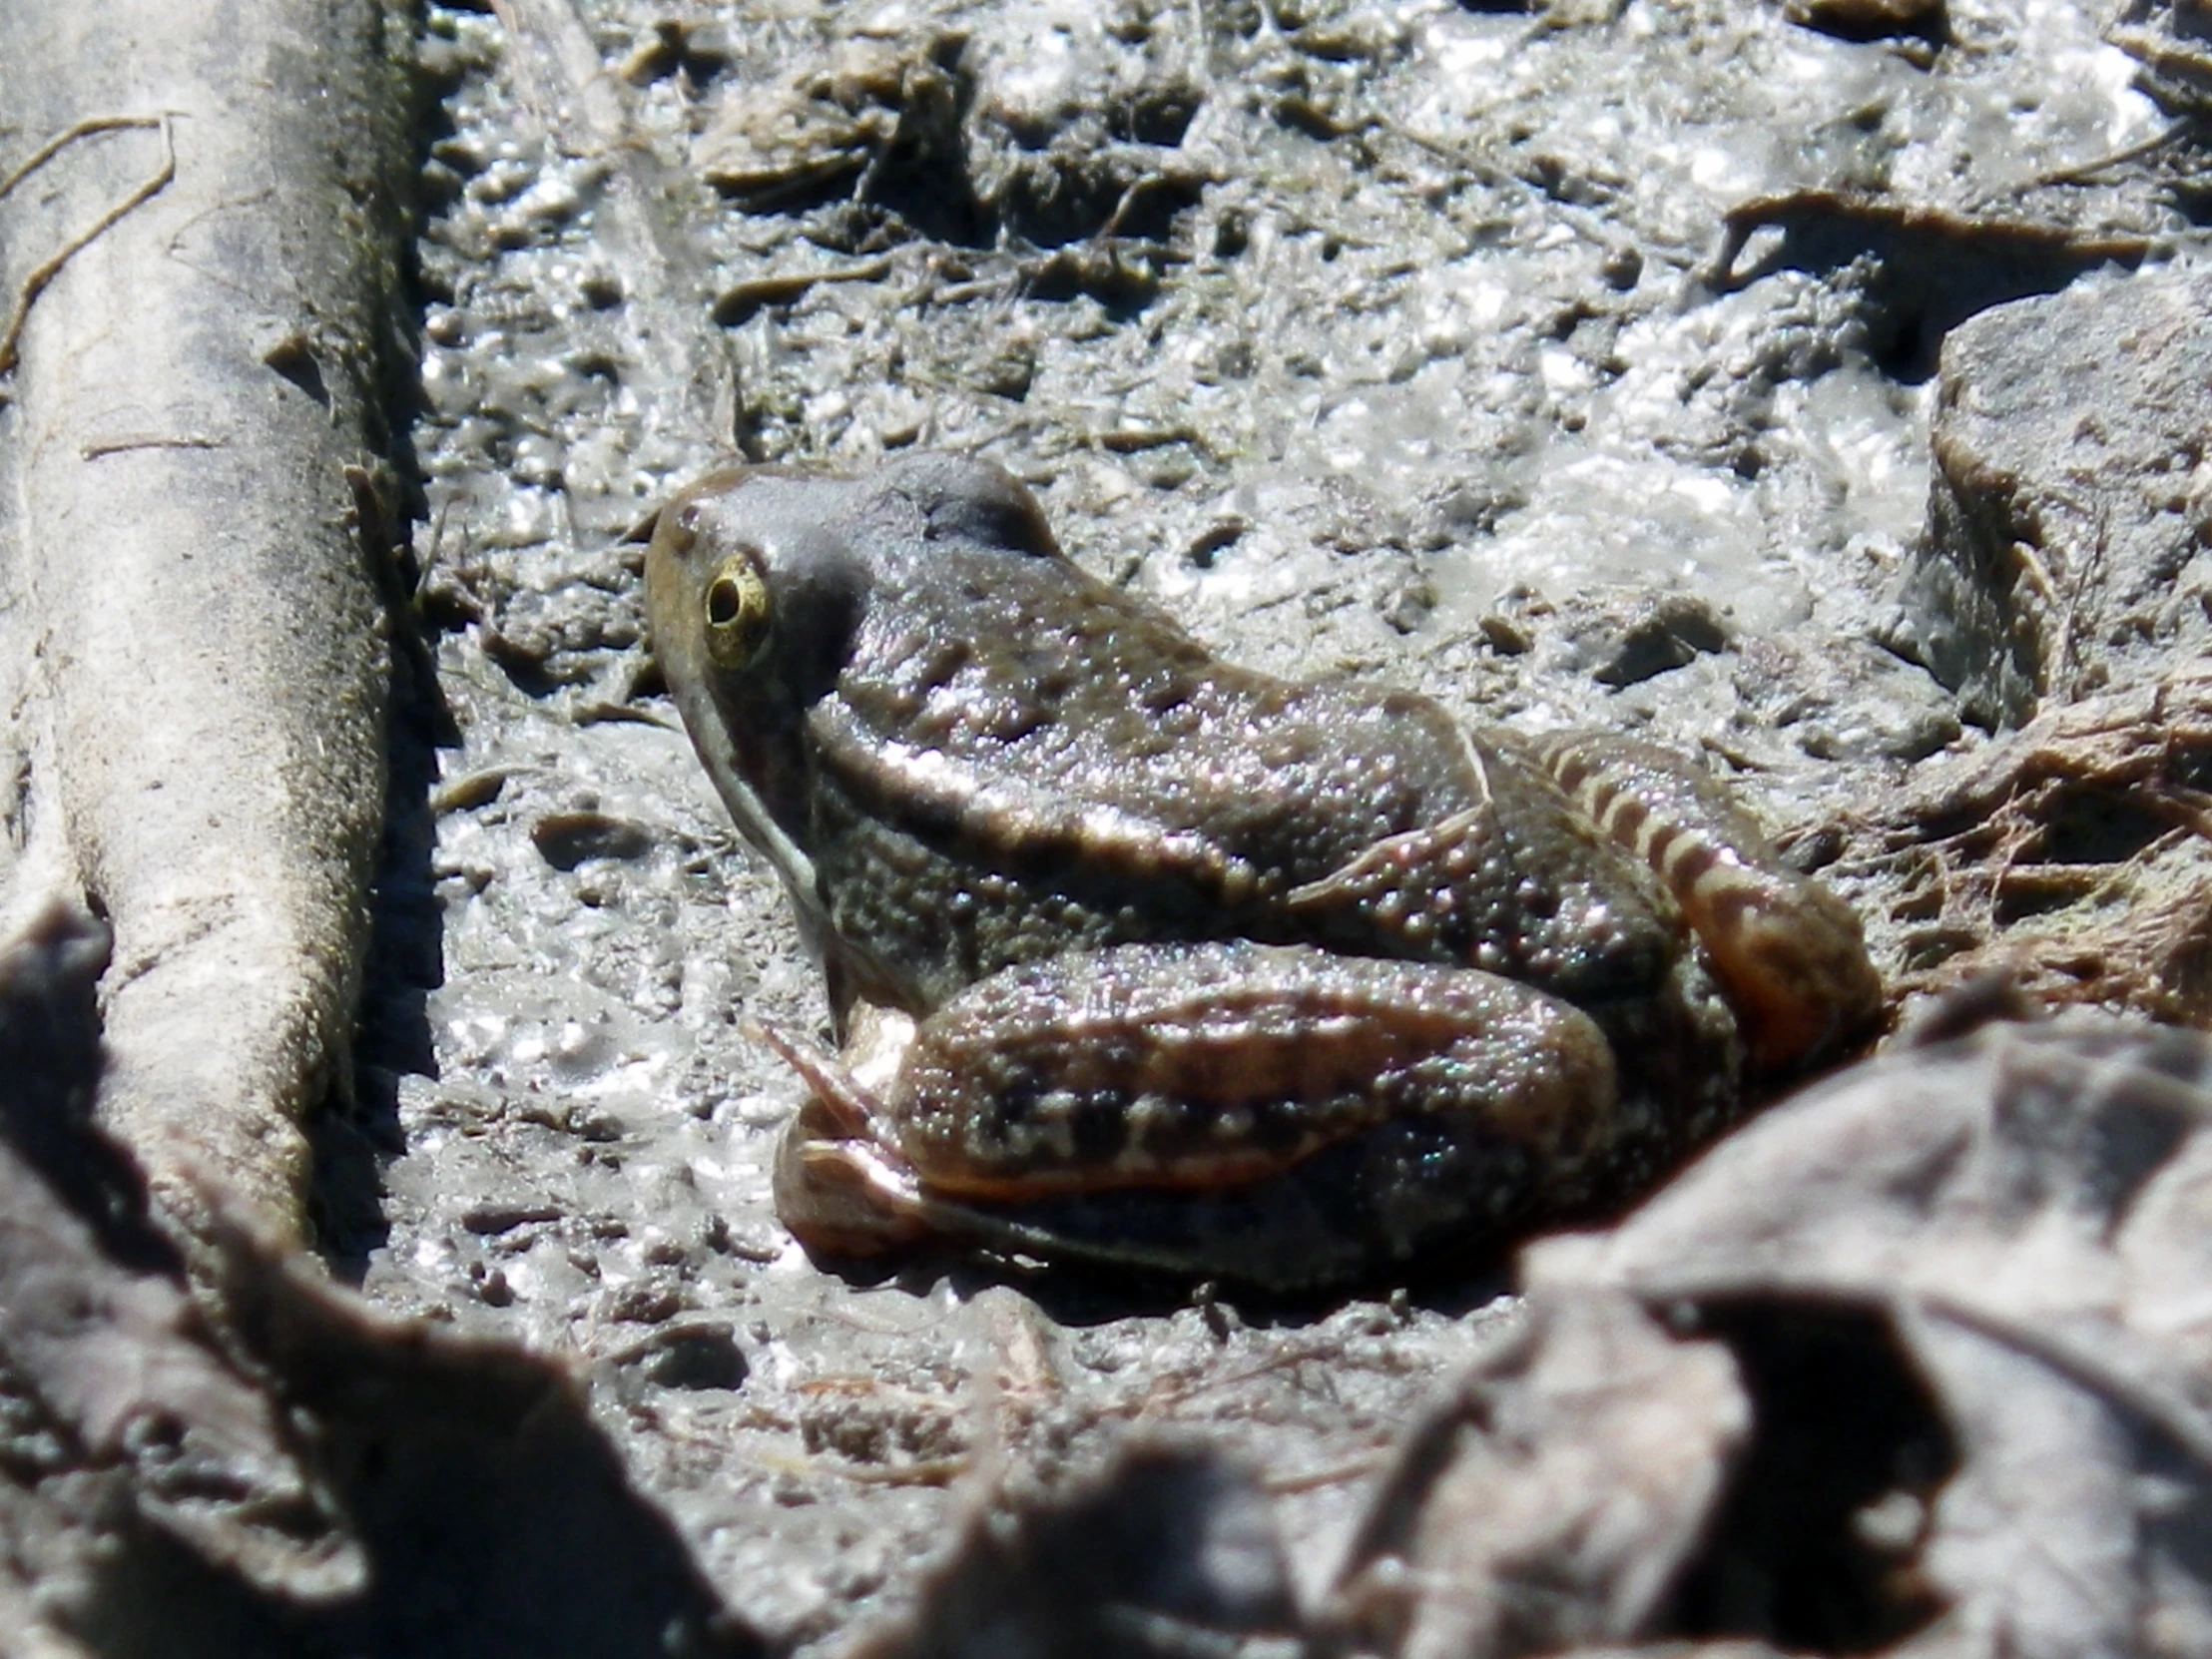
(844, 1198)
(844, 1190)
(1053, 1107)
(841, 1185)
(1787, 952)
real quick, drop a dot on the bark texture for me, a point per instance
(197, 639)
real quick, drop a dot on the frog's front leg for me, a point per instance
(1095, 1104)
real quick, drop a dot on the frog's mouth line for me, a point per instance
(730, 768)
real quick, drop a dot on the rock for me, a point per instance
(1952, 1286)
(1170, 1550)
(2071, 501)
(1871, 19)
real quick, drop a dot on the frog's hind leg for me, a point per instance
(1788, 953)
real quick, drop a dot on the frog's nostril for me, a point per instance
(680, 528)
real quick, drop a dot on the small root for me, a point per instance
(2072, 855)
(35, 281)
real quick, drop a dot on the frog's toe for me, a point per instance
(1796, 969)
(847, 1108)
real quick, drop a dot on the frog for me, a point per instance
(1139, 957)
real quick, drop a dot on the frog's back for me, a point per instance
(1023, 748)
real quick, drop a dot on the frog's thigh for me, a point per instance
(1202, 1067)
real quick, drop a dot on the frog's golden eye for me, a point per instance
(737, 613)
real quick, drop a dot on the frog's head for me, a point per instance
(760, 583)
(753, 595)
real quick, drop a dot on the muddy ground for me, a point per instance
(1407, 342)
